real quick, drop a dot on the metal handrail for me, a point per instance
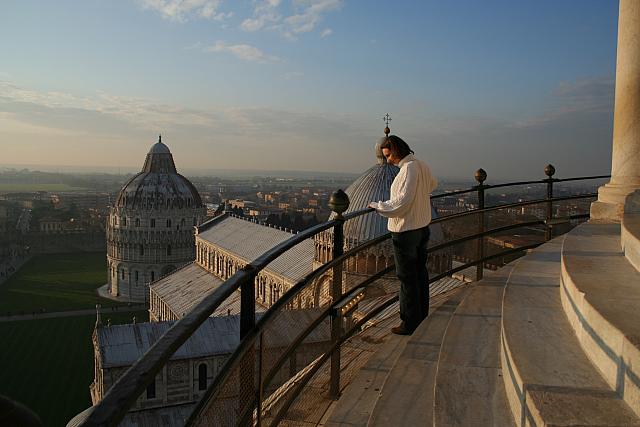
(516, 183)
(249, 339)
(123, 394)
(264, 320)
(119, 398)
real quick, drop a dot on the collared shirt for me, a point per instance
(409, 207)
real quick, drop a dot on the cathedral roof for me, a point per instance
(185, 288)
(248, 240)
(123, 345)
(159, 185)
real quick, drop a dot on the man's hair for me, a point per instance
(397, 146)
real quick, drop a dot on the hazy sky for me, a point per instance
(302, 85)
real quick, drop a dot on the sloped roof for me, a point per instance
(248, 240)
(186, 287)
(122, 345)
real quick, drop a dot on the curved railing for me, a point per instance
(303, 332)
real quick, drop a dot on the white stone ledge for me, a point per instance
(600, 295)
(548, 378)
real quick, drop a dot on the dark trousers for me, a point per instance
(410, 250)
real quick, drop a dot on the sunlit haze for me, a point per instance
(302, 85)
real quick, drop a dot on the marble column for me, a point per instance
(625, 165)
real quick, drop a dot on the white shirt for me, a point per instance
(409, 207)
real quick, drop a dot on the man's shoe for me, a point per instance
(402, 330)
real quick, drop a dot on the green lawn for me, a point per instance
(48, 364)
(56, 282)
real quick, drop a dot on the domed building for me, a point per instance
(150, 230)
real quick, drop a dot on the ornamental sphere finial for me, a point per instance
(339, 202)
(549, 170)
(481, 175)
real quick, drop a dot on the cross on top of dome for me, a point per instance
(387, 119)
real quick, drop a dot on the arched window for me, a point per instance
(153, 276)
(202, 376)
(136, 275)
(168, 223)
(153, 223)
(169, 250)
(137, 222)
(124, 221)
(182, 222)
(151, 390)
(141, 249)
(123, 274)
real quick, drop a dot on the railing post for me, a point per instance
(259, 395)
(549, 170)
(480, 176)
(247, 306)
(247, 322)
(339, 202)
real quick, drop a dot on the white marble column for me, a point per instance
(625, 165)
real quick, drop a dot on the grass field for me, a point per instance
(19, 188)
(56, 283)
(48, 364)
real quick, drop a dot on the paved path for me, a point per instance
(51, 315)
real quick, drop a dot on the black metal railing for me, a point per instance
(256, 385)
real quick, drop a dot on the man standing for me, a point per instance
(409, 213)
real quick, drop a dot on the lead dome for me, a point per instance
(158, 185)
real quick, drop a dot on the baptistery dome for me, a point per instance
(150, 231)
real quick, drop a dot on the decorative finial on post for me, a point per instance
(549, 170)
(339, 202)
(481, 176)
(387, 119)
(160, 138)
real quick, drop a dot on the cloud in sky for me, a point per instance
(305, 17)
(183, 10)
(454, 146)
(578, 98)
(243, 51)
(310, 13)
(264, 13)
(326, 32)
(47, 123)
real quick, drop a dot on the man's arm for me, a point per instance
(400, 202)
